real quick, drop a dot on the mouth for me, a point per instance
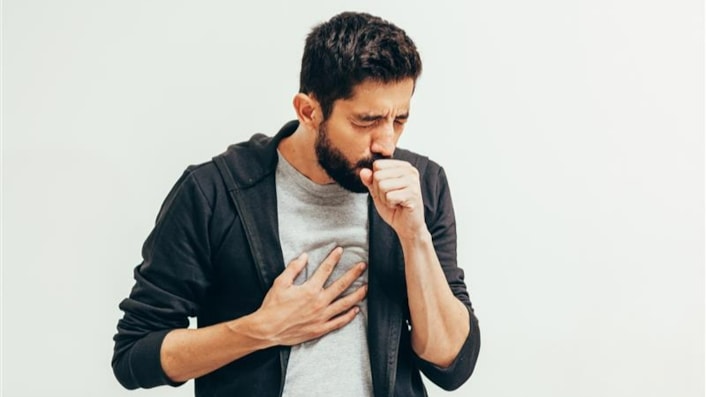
(377, 156)
(368, 162)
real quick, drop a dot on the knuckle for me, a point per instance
(313, 332)
(343, 284)
(330, 264)
(363, 289)
(318, 306)
(310, 292)
(340, 322)
(323, 329)
(327, 265)
(336, 289)
(343, 288)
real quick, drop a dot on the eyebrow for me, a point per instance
(375, 117)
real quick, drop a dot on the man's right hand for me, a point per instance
(291, 314)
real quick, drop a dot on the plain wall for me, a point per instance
(571, 131)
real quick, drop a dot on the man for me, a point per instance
(371, 293)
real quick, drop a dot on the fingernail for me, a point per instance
(363, 266)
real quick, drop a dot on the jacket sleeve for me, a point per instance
(440, 218)
(169, 284)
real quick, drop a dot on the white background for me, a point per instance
(572, 132)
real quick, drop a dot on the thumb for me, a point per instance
(366, 176)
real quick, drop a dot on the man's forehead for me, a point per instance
(375, 99)
(375, 87)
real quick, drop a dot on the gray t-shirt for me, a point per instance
(315, 219)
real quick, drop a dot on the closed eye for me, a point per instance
(366, 124)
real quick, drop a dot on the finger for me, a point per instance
(389, 185)
(323, 272)
(370, 182)
(389, 163)
(346, 302)
(342, 320)
(375, 189)
(393, 189)
(339, 286)
(294, 267)
(381, 189)
(366, 176)
(394, 175)
(403, 198)
(393, 172)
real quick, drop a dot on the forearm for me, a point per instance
(190, 353)
(440, 323)
(290, 314)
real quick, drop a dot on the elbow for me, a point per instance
(459, 371)
(122, 371)
(453, 382)
(137, 364)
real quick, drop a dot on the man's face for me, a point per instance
(362, 129)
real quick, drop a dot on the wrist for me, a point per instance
(255, 328)
(415, 237)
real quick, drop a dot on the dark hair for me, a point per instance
(351, 48)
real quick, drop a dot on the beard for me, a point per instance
(337, 167)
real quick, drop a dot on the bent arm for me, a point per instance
(189, 353)
(445, 332)
(440, 322)
(290, 314)
(153, 345)
(174, 356)
(169, 285)
(417, 205)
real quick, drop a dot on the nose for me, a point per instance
(384, 140)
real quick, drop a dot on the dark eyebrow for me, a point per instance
(369, 117)
(376, 117)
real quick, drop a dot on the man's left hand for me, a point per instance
(394, 187)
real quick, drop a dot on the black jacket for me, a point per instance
(214, 253)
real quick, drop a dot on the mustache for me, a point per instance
(368, 161)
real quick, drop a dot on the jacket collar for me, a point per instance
(255, 159)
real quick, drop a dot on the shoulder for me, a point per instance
(247, 160)
(205, 178)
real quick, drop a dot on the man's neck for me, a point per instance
(299, 150)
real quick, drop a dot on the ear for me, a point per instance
(308, 110)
